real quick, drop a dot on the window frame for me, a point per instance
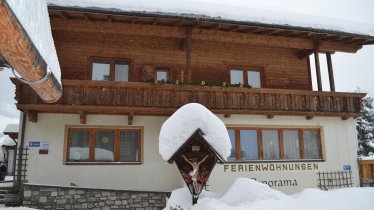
(167, 70)
(245, 70)
(92, 138)
(112, 62)
(281, 144)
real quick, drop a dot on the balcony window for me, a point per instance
(274, 144)
(110, 70)
(96, 145)
(236, 76)
(252, 78)
(100, 70)
(121, 71)
(162, 75)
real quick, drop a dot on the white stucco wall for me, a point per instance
(338, 138)
(338, 143)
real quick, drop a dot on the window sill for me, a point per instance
(103, 163)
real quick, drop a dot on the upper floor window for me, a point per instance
(162, 75)
(103, 145)
(274, 144)
(250, 76)
(110, 70)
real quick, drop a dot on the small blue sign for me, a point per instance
(34, 143)
(346, 167)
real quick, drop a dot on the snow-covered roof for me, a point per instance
(6, 141)
(4, 121)
(224, 10)
(34, 18)
(11, 128)
(179, 127)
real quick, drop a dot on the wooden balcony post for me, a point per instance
(318, 71)
(331, 72)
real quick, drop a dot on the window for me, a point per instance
(121, 72)
(103, 145)
(270, 142)
(274, 144)
(248, 145)
(252, 78)
(100, 70)
(110, 70)
(162, 75)
(236, 76)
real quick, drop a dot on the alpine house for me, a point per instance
(126, 66)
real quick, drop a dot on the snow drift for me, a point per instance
(247, 194)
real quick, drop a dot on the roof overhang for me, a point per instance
(205, 22)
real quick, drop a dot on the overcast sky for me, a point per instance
(350, 70)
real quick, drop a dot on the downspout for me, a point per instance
(21, 54)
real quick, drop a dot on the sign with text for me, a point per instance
(34, 144)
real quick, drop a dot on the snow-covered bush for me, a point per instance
(365, 128)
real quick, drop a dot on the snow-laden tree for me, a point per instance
(365, 128)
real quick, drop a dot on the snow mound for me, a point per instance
(244, 190)
(262, 197)
(179, 127)
(6, 141)
(181, 198)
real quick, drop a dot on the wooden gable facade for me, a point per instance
(195, 57)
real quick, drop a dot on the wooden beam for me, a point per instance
(117, 28)
(188, 54)
(270, 41)
(270, 116)
(83, 118)
(304, 53)
(32, 116)
(331, 72)
(345, 117)
(20, 52)
(309, 73)
(152, 111)
(318, 71)
(309, 117)
(130, 118)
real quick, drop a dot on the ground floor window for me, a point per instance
(103, 145)
(275, 144)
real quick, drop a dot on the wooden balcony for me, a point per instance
(104, 97)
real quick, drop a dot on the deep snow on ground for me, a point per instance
(247, 194)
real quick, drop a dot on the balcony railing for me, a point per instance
(104, 97)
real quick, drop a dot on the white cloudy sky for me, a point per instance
(350, 70)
